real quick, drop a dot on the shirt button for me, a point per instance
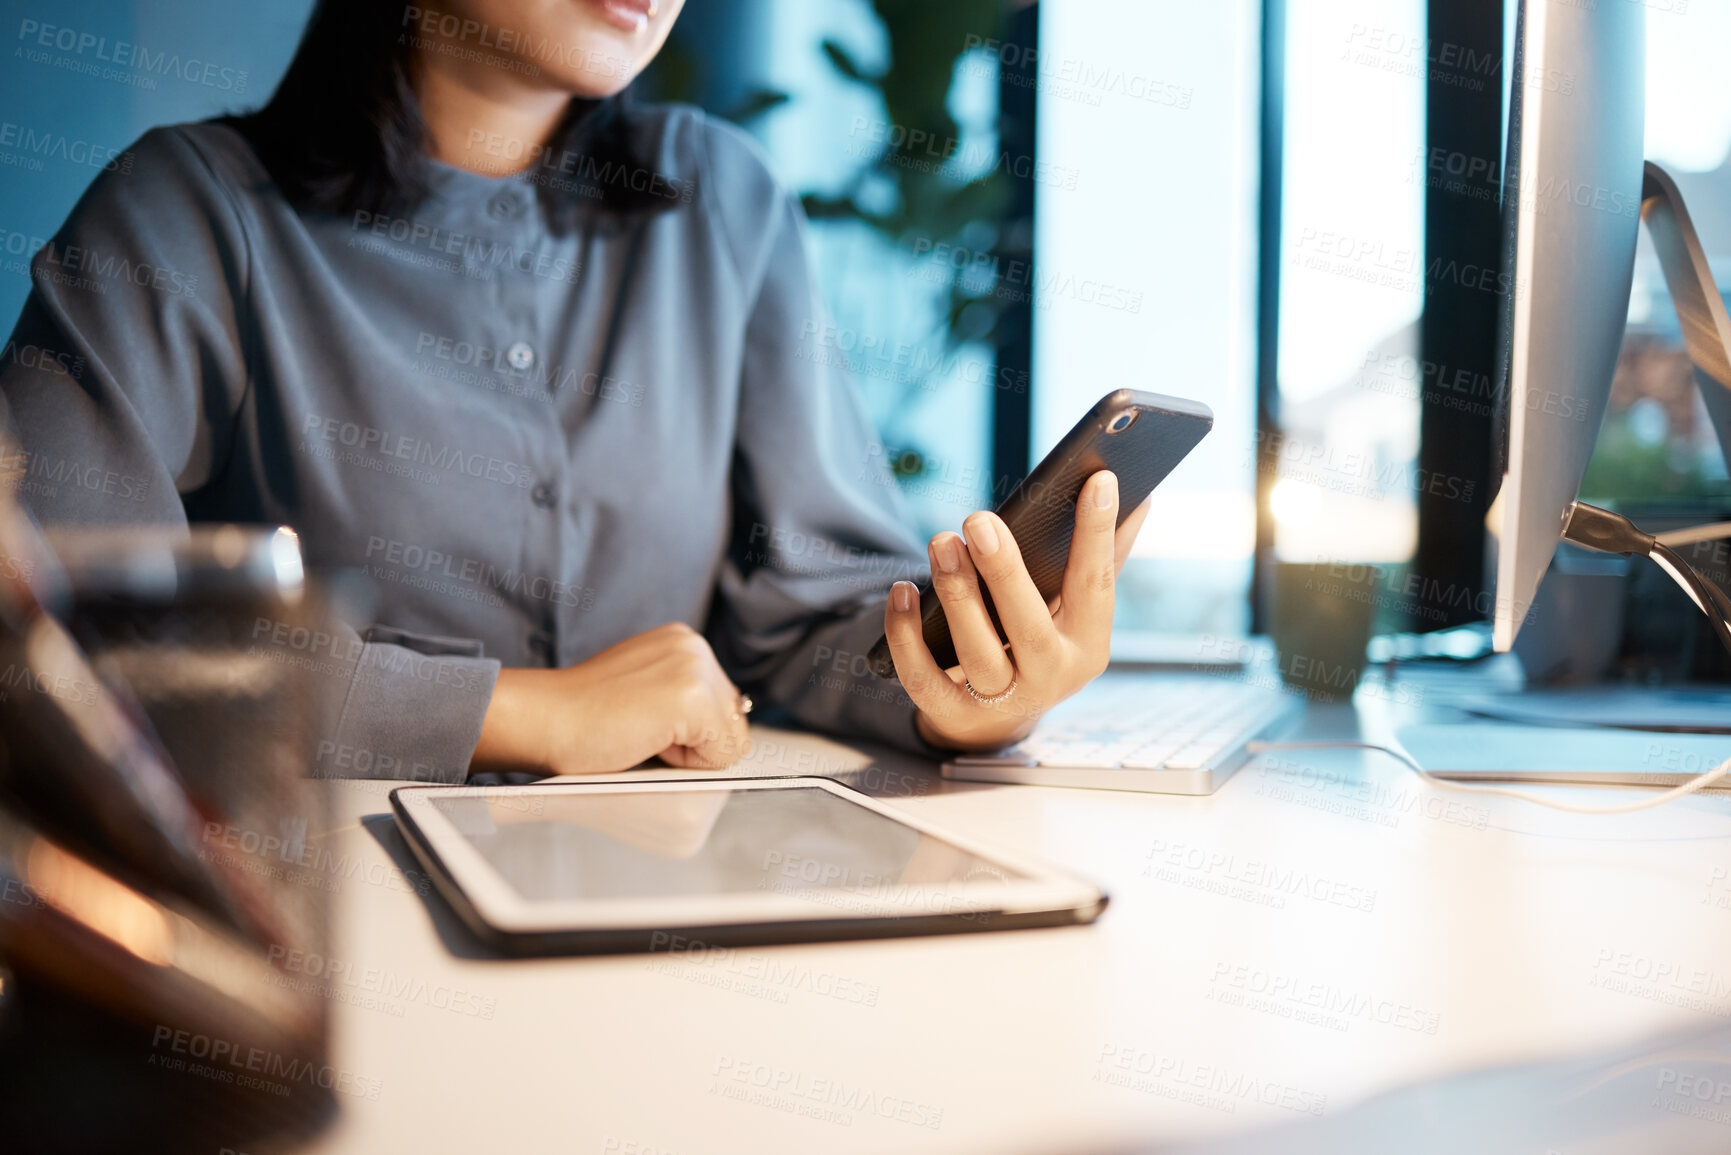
(504, 206)
(520, 356)
(542, 495)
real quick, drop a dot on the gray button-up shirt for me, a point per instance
(536, 444)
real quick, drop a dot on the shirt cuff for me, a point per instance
(413, 711)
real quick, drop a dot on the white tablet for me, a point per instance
(624, 866)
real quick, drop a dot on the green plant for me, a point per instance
(933, 200)
(914, 191)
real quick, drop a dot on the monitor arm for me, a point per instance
(1707, 337)
(1700, 308)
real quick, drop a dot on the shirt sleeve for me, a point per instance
(119, 390)
(819, 530)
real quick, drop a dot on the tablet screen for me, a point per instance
(570, 845)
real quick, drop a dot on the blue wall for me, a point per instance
(110, 70)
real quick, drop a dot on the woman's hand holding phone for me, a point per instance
(996, 693)
(663, 693)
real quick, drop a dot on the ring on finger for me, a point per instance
(991, 699)
(742, 708)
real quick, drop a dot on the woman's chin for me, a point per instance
(590, 87)
(598, 61)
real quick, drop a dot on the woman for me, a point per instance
(533, 361)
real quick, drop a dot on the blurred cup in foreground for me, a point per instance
(1322, 620)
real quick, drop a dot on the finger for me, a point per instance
(713, 732)
(932, 690)
(1091, 571)
(1122, 542)
(1125, 539)
(734, 742)
(714, 750)
(712, 747)
(979, 650)
(1026, 620)
(688, 758)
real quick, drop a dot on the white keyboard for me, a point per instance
(1152, 732)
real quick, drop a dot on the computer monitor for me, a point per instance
(1572, 193)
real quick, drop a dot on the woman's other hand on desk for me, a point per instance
(660, 693)
(996, 694)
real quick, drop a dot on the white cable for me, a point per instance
(1694, 534)
(1664, 563)
(1699, 782)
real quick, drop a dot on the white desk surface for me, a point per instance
(1325, 929)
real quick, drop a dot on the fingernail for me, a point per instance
(982, 534)
(902, 596)
(945, 553)
(1105, 490)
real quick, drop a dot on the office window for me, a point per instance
(927, 372)
(1351, 279)
(1657, 453)
(1146, 259)
(1144, 245)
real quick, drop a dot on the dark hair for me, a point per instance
(343, 131)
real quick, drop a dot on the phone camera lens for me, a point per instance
(1122, 422)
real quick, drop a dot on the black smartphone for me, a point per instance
(1141, 437)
